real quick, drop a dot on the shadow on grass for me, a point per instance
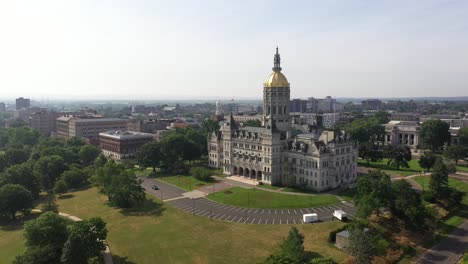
(65, 196)
(147, 208)
(121, 260)
(386, 167)
(17, 224)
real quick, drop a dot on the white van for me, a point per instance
(309, 218)
(341, 215)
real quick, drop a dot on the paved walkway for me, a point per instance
(214, 210)
(449, 250)
(106, 253)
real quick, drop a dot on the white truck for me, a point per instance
(309, 218)
(341, 215)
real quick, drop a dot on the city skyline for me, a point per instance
(154, 50)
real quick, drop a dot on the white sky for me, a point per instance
(88, 49)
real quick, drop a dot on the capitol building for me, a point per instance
(271, 154)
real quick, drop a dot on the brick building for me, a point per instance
(120, 145)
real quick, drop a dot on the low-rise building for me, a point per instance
(119, 145)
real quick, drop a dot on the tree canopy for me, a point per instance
(434, 134)
(14, 198)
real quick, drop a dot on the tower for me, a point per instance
(276, 95)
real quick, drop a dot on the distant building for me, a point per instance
(44, 121)
(184, 123)
(371, 104)
(404, 133)
(298, 106)
(2, 107)
(243, 118)
(405, 117)
(86, 127)
(329, 120)
(119, 145)
(22, 103)
(148, 126)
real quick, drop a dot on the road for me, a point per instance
(210, 209)
(449, 250)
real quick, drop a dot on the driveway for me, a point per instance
(214, 210)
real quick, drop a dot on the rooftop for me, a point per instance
(119, 134)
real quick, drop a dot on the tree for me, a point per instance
(150, 155)
(209, 125)
(48, 169)
(17, 154)
(88, 153)
(122, 187)
(427, 160)
(370, 152)
(86, 240)
(45, 237)
(382, 117)
(361, 244)
(75, 142)
(60, 187)
(373, 192)
(93, 233)
(73, 250)
(75, 177)
(434, 134)
(291, 249)
(3, 163)
(14, 198)
(398, 156)
(456, 152)
(438, 183)
(100, 161)
(252, 123)
(23, 175)
(407, 205)
(463, 135)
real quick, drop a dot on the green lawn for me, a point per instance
(185, 182)
(462, 168)
(347, 194)
(414, 167)
(162, 234)
(268, 186)
(12, 240)
(256, 198)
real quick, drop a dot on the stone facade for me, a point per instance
(271, 155)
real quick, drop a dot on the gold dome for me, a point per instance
(276, 79)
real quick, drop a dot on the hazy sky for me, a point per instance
(224, 49)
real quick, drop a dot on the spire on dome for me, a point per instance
(277, 61)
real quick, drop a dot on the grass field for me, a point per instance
(347, 194)
(414, 167)
(12, 240)
(162, 234)
(256, 198)
(185, 182)
(462, 168)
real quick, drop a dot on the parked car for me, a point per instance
(155, 187)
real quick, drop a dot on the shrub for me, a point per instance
(201, 173)
(428, 197)
(451, 168)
